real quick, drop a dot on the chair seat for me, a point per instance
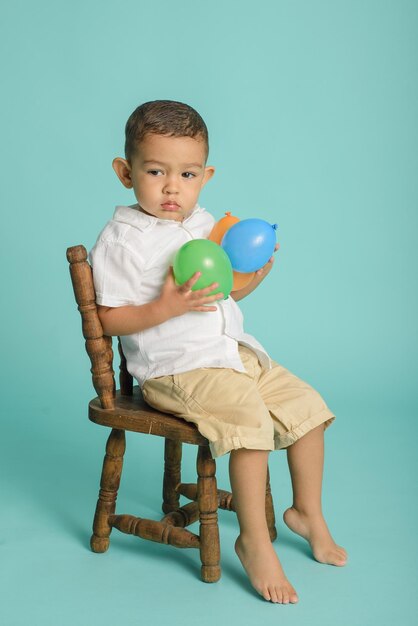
(132, 413)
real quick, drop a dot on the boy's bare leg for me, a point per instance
(248, 473)
(306, 461)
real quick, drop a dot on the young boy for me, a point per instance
(188, 350)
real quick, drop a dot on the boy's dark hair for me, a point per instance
(163, 117)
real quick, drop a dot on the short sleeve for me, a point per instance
(117, 274)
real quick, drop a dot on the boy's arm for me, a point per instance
(126, 320)
(173, 300)
(258, 278)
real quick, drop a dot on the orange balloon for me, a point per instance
(241, 280)
(220, 228)
(218, 231)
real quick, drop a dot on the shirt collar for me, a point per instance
(134, 217)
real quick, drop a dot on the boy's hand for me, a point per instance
(179, 299)
(263, 271)
(257, 279)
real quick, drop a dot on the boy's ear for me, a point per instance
(209, 172)
(123, 171)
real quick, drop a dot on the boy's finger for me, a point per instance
(205, 290)
(204, 308)
(170, 274)
(217, 296)
(192, 281)
(205, 301)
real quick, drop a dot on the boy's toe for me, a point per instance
(266, 594)
(273, 595)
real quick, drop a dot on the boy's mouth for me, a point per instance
(170, 206)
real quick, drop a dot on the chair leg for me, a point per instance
(172, 475)
(109, 485)
(270, 517)
(207, 498)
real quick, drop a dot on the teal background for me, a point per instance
(312, 112)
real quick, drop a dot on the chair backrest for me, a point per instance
(98, 345)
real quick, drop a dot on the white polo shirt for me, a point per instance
(130, 261)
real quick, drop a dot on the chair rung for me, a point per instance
(189, 490)
(155, 531)
(184, 516)
(225, 500)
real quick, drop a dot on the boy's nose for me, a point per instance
(170, 185)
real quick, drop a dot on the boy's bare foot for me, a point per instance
(315, 531)
(264, 570)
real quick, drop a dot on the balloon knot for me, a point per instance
(228, 213)
(275, 226)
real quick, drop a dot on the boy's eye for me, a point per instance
(154, 172)
(188, 175)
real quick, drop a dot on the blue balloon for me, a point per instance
(249, 244)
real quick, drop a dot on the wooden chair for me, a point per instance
(125, 410)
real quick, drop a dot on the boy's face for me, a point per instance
(166, 174)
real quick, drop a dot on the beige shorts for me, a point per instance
(261, 409)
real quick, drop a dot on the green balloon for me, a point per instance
(203, 255)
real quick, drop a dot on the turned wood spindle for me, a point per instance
(155, 531)
(109, 485)
(270, 517)
(98, 345)
(207, 497)
(188, 490)
(184, 516)
(172, 475)
(226, 502)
